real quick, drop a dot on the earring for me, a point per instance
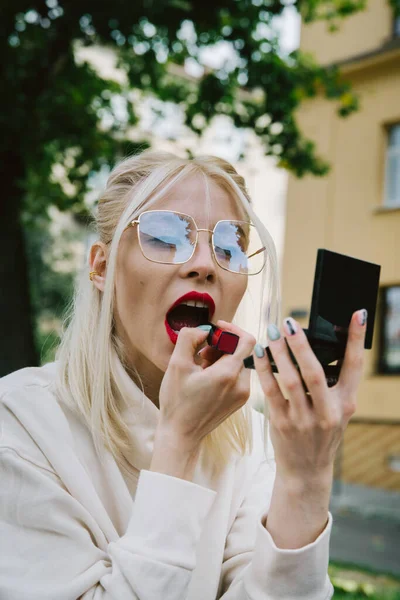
(93, 273)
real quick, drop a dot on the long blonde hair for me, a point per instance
(88, 380)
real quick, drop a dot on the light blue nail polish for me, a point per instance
(273, 332)
(259, 350)
(205, 328)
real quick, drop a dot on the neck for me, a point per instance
(145, 374)
(151, 383)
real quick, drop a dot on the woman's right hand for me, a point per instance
(194, 400)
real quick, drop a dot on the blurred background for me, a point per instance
(303, 97)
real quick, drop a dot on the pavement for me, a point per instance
(367, 501)
(366, 530)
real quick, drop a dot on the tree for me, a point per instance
(53, 110)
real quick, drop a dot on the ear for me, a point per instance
(98, 256)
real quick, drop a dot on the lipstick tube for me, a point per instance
(221, 340)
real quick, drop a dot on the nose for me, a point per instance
(202, 263)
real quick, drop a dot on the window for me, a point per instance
(389, 355)
(392, 178)
(396, 26)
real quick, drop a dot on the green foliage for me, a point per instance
(331, 11)
(351, 583)
(346, 591)
(395, 4)
(47, 343)
(340, 595)
(59, 119)
(51, 104)
(50, 287)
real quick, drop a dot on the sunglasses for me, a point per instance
(170, 238)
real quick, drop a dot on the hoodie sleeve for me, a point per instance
(51, 547)
(254, 568)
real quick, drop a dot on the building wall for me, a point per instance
(367, 450)
(359, 33)
(343, 211)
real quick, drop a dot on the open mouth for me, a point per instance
(187, 315)
(190, 310)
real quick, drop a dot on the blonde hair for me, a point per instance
(88, 380)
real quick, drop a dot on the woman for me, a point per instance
(133, 467)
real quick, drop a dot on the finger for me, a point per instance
(244, 384)
(268, 382)
(311, 369)
(207, 356)
(199, 361)
(205, 364)
(210, 354)
(187, 344)
(352, 368)
(289, 375)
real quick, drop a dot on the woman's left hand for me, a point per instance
(306, 430)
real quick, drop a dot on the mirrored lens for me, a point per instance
(166, 237)
(238, 247)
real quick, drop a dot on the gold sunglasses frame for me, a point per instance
(137, 222)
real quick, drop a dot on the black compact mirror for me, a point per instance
(342, 285)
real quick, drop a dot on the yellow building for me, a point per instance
(355, 210)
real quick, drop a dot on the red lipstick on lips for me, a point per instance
(224, 341)
(206, 298)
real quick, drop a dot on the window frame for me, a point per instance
(388, 153)
(382, 367)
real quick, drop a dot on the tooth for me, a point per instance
(195, 303)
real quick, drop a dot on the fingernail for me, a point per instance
(204, 328)
(273, 332)
(290, 326)
(259, 350)
(362, 316)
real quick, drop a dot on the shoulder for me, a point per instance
(26, 389)
(30, 415)
(40, 377)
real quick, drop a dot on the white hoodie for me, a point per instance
(73, 526)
